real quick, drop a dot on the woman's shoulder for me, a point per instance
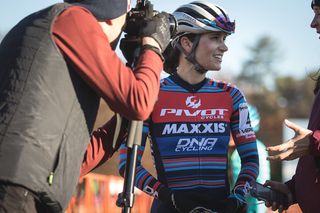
(223, 84)
(166, 82)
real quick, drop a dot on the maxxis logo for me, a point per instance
(192, 102)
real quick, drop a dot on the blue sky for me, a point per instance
(285, 21)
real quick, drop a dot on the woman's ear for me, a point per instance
(186, 44)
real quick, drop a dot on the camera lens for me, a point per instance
(173, 25)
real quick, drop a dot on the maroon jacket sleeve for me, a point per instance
(100, 148)
(315, 143)
(83, 42)
(314, 125)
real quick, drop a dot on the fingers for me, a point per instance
(270, 183)
(278, 186)
(290, 199)
(294, 148)
(274, 206)
(282, 156)
(284, 149)
(267, 204)
(297, 129)
(291, 125)
(273, 184)
(290, 147)
(280, 209)
(275, 158)
(279, 148)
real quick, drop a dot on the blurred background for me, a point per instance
(272, 57)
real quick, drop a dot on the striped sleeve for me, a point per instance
(245, 141)
(143, 179)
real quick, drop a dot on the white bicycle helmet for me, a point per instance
(200, 17)
(196, 18)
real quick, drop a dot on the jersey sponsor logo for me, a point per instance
(244, 126)
(193, 144)
(203, 113)
(202, 128)
(151, 191)
(192, 102)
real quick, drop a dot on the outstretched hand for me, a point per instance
(295, 147)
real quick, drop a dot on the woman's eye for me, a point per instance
(218, 38)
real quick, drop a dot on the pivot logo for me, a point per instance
(192, 102)
(150, 191)
(192, 144)
(203, 113)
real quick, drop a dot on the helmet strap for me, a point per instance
(191, 57)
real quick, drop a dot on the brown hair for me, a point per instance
(172, 54)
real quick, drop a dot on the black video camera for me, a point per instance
(130, 44)
(142, 11)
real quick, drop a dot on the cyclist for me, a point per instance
(192, 120)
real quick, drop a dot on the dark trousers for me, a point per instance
(17, 199)
(161, 207)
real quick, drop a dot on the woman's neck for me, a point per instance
(190, 75)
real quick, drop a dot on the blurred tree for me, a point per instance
(275, 97)
(259, 70)
(291, 98)
(295, 95)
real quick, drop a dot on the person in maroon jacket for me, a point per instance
(55, 65)
(304, 187)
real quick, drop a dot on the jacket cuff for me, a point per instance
(314, 146)
(154, 49)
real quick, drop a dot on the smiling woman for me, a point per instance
(213, 45)
(192, 120)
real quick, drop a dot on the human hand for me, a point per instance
(280, 187)
(295, 147)
(158, 28)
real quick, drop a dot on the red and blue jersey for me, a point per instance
(189, 130)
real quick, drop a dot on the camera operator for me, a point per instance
(55, 65)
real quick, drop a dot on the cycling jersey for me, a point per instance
(189, 131)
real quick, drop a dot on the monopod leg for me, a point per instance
(133, 143)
